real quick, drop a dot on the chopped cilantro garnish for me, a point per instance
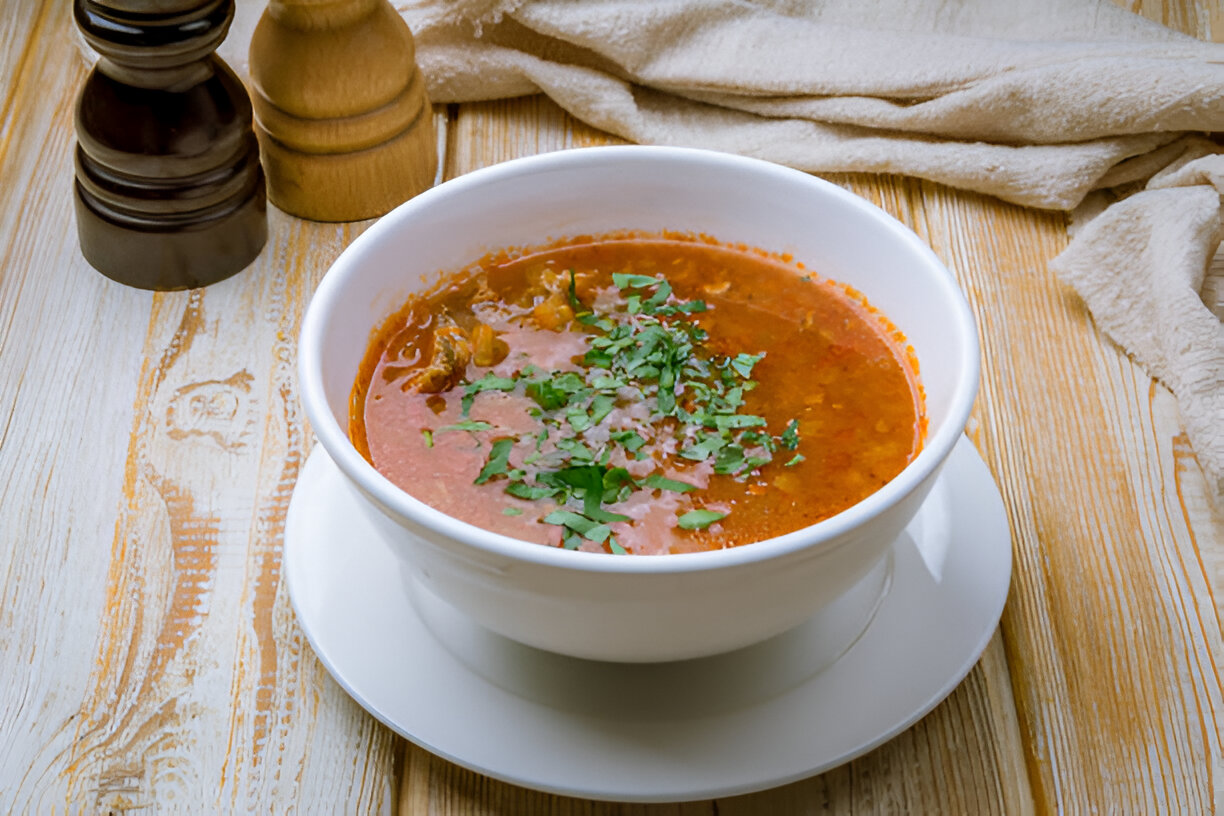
(580, 524)
(692, 307)
(629, 440)
(523, 490)
(579, 419)
(737, 421)
(573, 293)
(577, 451)
(465, 425)
(730, 459)
(663, 483)
(622, 280)
(744, 363)
(649, 352)
(708, 446)
(699, 519)
(489, 382)
(790, 437)
(604, 516)
(499, 457)
(601, 406)
(662, 293)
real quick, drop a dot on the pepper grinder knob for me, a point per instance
(169, 190)
(340, 108)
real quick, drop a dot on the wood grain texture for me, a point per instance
(63, 428)
(150, 661)
(203, 688)
(1112, 672)
(199, 691)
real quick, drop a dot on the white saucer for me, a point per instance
(763, 716)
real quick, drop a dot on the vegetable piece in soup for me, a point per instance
(634, 394)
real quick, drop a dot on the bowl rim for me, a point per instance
(368, 480)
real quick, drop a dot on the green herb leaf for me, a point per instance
(744, 363)
(584, 477)
(730, 459)
(614, 479)
(722, 421)
(499, 457)
(522, 490)
(573, 293)
(790, 436)
(699, 519)
(597, 358)
(660, 296)
(663, 483)
(465, 425)
(604, 516)
(578, 419)
(576, 450)
(607, 383)
(629, 440)
(556, 391)
(692, 306)
(590, 530)
(622, 280)
(706, 446)
(601, 406)
(489, 382)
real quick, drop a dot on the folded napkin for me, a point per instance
(1039, 102)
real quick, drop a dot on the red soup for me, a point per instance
(638, 394)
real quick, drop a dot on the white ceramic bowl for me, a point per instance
(640, 608)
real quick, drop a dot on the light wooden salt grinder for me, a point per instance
(340, 108)
(169, 191)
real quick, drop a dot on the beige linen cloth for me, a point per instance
(1038, 102)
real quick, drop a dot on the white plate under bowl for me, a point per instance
(727, 725)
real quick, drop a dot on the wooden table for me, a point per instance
(149, 657)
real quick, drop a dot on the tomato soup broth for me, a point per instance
(638, 394)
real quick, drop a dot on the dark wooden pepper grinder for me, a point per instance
(169, 189)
